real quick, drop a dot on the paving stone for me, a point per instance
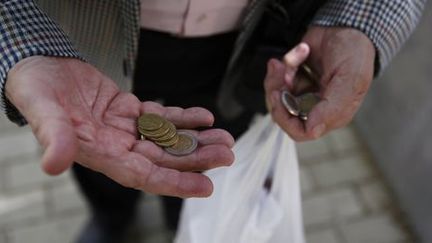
(330, 206)
(376, 229)
(350, 169)
(322, 236)
(64, 229)
(15, 209)
(66, 197)
(375, 195)
(26, 173)
(344, 139)
(313, 150)
(16, 144)
(6, 125)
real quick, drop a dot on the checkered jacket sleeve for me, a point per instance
(387, 23)
(26, 31)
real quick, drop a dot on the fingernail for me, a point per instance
(302, 47)
(299, 47)
(318, 130)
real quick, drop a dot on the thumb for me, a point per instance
(33, 86)
(53, 129)
(61, 146)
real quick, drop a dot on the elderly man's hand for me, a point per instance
(343, 58)
(78, 114)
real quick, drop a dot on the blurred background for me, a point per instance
(366, 183)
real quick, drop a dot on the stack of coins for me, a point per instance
(163, 133)
(306, 103)
(157, 129)
(300, 106)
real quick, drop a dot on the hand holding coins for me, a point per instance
(110, 146)
(300, 106)
(293, 94)
(164, 134)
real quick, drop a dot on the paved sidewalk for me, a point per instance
(345, 199)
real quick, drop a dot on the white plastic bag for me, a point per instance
(241, 209)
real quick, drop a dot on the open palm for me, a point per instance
(78, 114)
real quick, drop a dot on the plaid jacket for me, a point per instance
(106, 31)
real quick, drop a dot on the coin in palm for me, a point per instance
(186, 144)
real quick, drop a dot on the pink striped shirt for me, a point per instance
(192, 18)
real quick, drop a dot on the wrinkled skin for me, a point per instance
(78, 114)
(344, 60)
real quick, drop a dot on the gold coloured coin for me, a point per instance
(306, 80)
(156, 133)
(168, 143)
(307, 102)
(170, 135)
(187, 143)
(164, 133)
(150, 121)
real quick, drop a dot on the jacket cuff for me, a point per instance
(388, 24)
(25, 30)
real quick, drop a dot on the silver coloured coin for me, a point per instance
(186, 144)
(303, 116)
(290, 102)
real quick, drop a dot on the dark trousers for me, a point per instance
(181, 72)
